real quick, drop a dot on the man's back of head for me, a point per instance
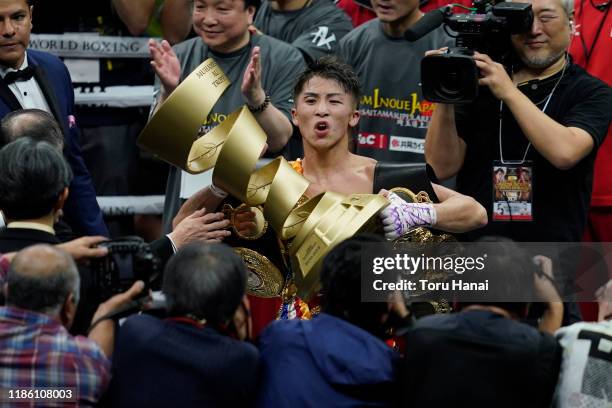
(502, 355)
(186, 359)
(204, 281)
(511, 271)
(341, 285)
(41, 279)
(34, 177)
(42, 291)
(340, 351)
(34, 123)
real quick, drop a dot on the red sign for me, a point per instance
(373, 140)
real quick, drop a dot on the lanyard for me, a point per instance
(588, 52)
(501, 107)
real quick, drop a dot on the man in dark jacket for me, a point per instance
(336, 359)
(35, 79)
(189, 359)
(484, 356)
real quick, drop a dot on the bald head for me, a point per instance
(40, 279)
(34, 123)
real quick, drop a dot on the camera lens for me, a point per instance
(449, 78)
(449, 84)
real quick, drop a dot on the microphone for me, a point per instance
(429, 22)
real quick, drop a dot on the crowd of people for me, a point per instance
(337, 90)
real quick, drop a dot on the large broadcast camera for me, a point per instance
(129, 259)
(452, 77)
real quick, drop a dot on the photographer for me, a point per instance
(194, 357)
(484, 355)
(553, 118)
(42, 294)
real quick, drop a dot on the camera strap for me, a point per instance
(501, 115)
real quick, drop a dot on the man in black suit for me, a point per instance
(34, 180)
(34, 79)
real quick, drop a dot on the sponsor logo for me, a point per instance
(407, 112)
(407, 144)
(321, 37)
(372, 140)
(412, 105)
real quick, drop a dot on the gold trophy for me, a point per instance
(233, 149)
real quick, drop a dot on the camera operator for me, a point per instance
(42, 293)
(553, 118)
(194, 357)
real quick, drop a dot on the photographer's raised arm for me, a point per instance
(103, 329)
(562, 146)
(444, 149)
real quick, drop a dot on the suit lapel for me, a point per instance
(9, 97)
(47, 89)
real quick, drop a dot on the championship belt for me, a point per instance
(419, 177)
(233, 149)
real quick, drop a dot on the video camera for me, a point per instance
(452, 77)
(129, 259)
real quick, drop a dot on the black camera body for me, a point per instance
(453, 77)
(129, 259)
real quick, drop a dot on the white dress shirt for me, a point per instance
(28, 93)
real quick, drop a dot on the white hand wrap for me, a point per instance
(399, 217)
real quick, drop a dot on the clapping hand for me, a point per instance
(251, 82)
(166, 65)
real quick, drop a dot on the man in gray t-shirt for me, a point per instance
(261, 70)
(394, 115)
(314, 27)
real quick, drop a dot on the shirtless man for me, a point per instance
(326, 98)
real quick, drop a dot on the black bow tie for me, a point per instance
(22, 75)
